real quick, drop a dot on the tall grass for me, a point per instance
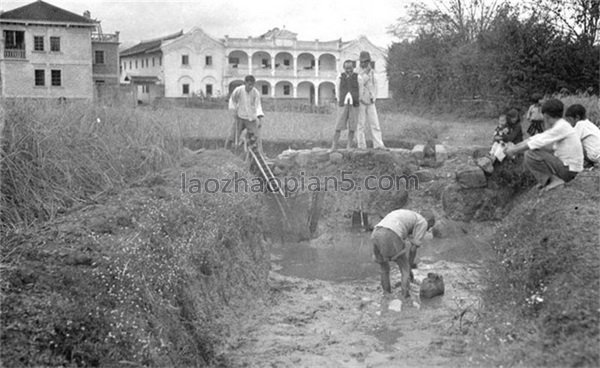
(55, 156)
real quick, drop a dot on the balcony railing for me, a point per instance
(14, 54)
(105, 37)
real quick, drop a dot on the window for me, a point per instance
(40, 77)
(265, 63)
(14, 44)
(98, 57)
(234, 60)
(145, 88)
(153, 62)
(312, 63)
(129, 64)
(286, 90)
(147, 65)
(209, 89)
(185, 60)
(38, 43)
(208, 60)
(56, 78)
(55, 44)
(186, 89)
(136, 63)
(286, 62)
(265, 89)
(14, 40)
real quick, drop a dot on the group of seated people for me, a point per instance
(556, 150)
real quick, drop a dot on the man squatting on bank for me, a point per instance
(391, 243)
(247, 111)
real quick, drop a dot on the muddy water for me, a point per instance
(329, 309)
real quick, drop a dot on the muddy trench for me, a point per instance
(328, 309)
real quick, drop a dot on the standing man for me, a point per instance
(552, 168)
(246, 108)
(367, 114)
(391, 243)
(347, 92)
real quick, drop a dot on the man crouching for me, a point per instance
(391, 243)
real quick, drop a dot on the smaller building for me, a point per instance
(46, 52)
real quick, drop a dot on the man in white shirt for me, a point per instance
(552, 168)
(347, 92)
(588, 133)
(367, 113)
(246, 108)
(391, 243)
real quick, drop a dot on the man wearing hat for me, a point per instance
(367, 113)
(391, 243)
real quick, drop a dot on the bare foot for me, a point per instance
(555, 182)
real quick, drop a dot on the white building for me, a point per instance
(194, 63)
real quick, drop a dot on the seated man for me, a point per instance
(588, 133)
(552, 168)
(390, 243)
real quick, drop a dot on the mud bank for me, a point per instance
(328, 309)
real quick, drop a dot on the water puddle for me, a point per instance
(338, 257)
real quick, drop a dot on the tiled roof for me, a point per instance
(279, 33)
(148, 46)
(42, 11)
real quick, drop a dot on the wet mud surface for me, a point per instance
(328, 309)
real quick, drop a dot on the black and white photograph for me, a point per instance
(299, 184)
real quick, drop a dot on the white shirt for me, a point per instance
(405, 223)
(247, 104)
(565, 144)
(367, 86)
(589, 134)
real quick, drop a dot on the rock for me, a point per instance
(486, 164)
(418, 151)
(382, 156)
(432, 286)
(321, 155)
(336, 157)
(424, 176)
(395, 305)
(441, 154)
(471, 177)
(480, 151)
(304, 157)
(445, 228)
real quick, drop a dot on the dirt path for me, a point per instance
(321, 323)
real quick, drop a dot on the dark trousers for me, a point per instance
(543, 165)
(386, 247)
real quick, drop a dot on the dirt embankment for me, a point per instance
(150, 276)
(543, 294)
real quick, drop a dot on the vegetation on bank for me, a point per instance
(55, 156)
(148, 276)
(542, 304)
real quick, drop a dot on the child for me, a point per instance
(587, 132)
(507, 132)
(534, 115)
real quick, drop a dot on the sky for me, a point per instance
(311, 19)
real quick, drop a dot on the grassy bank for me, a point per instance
(145, 277)
(543, 300)
(57, 156)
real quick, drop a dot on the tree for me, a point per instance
(578, 19)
